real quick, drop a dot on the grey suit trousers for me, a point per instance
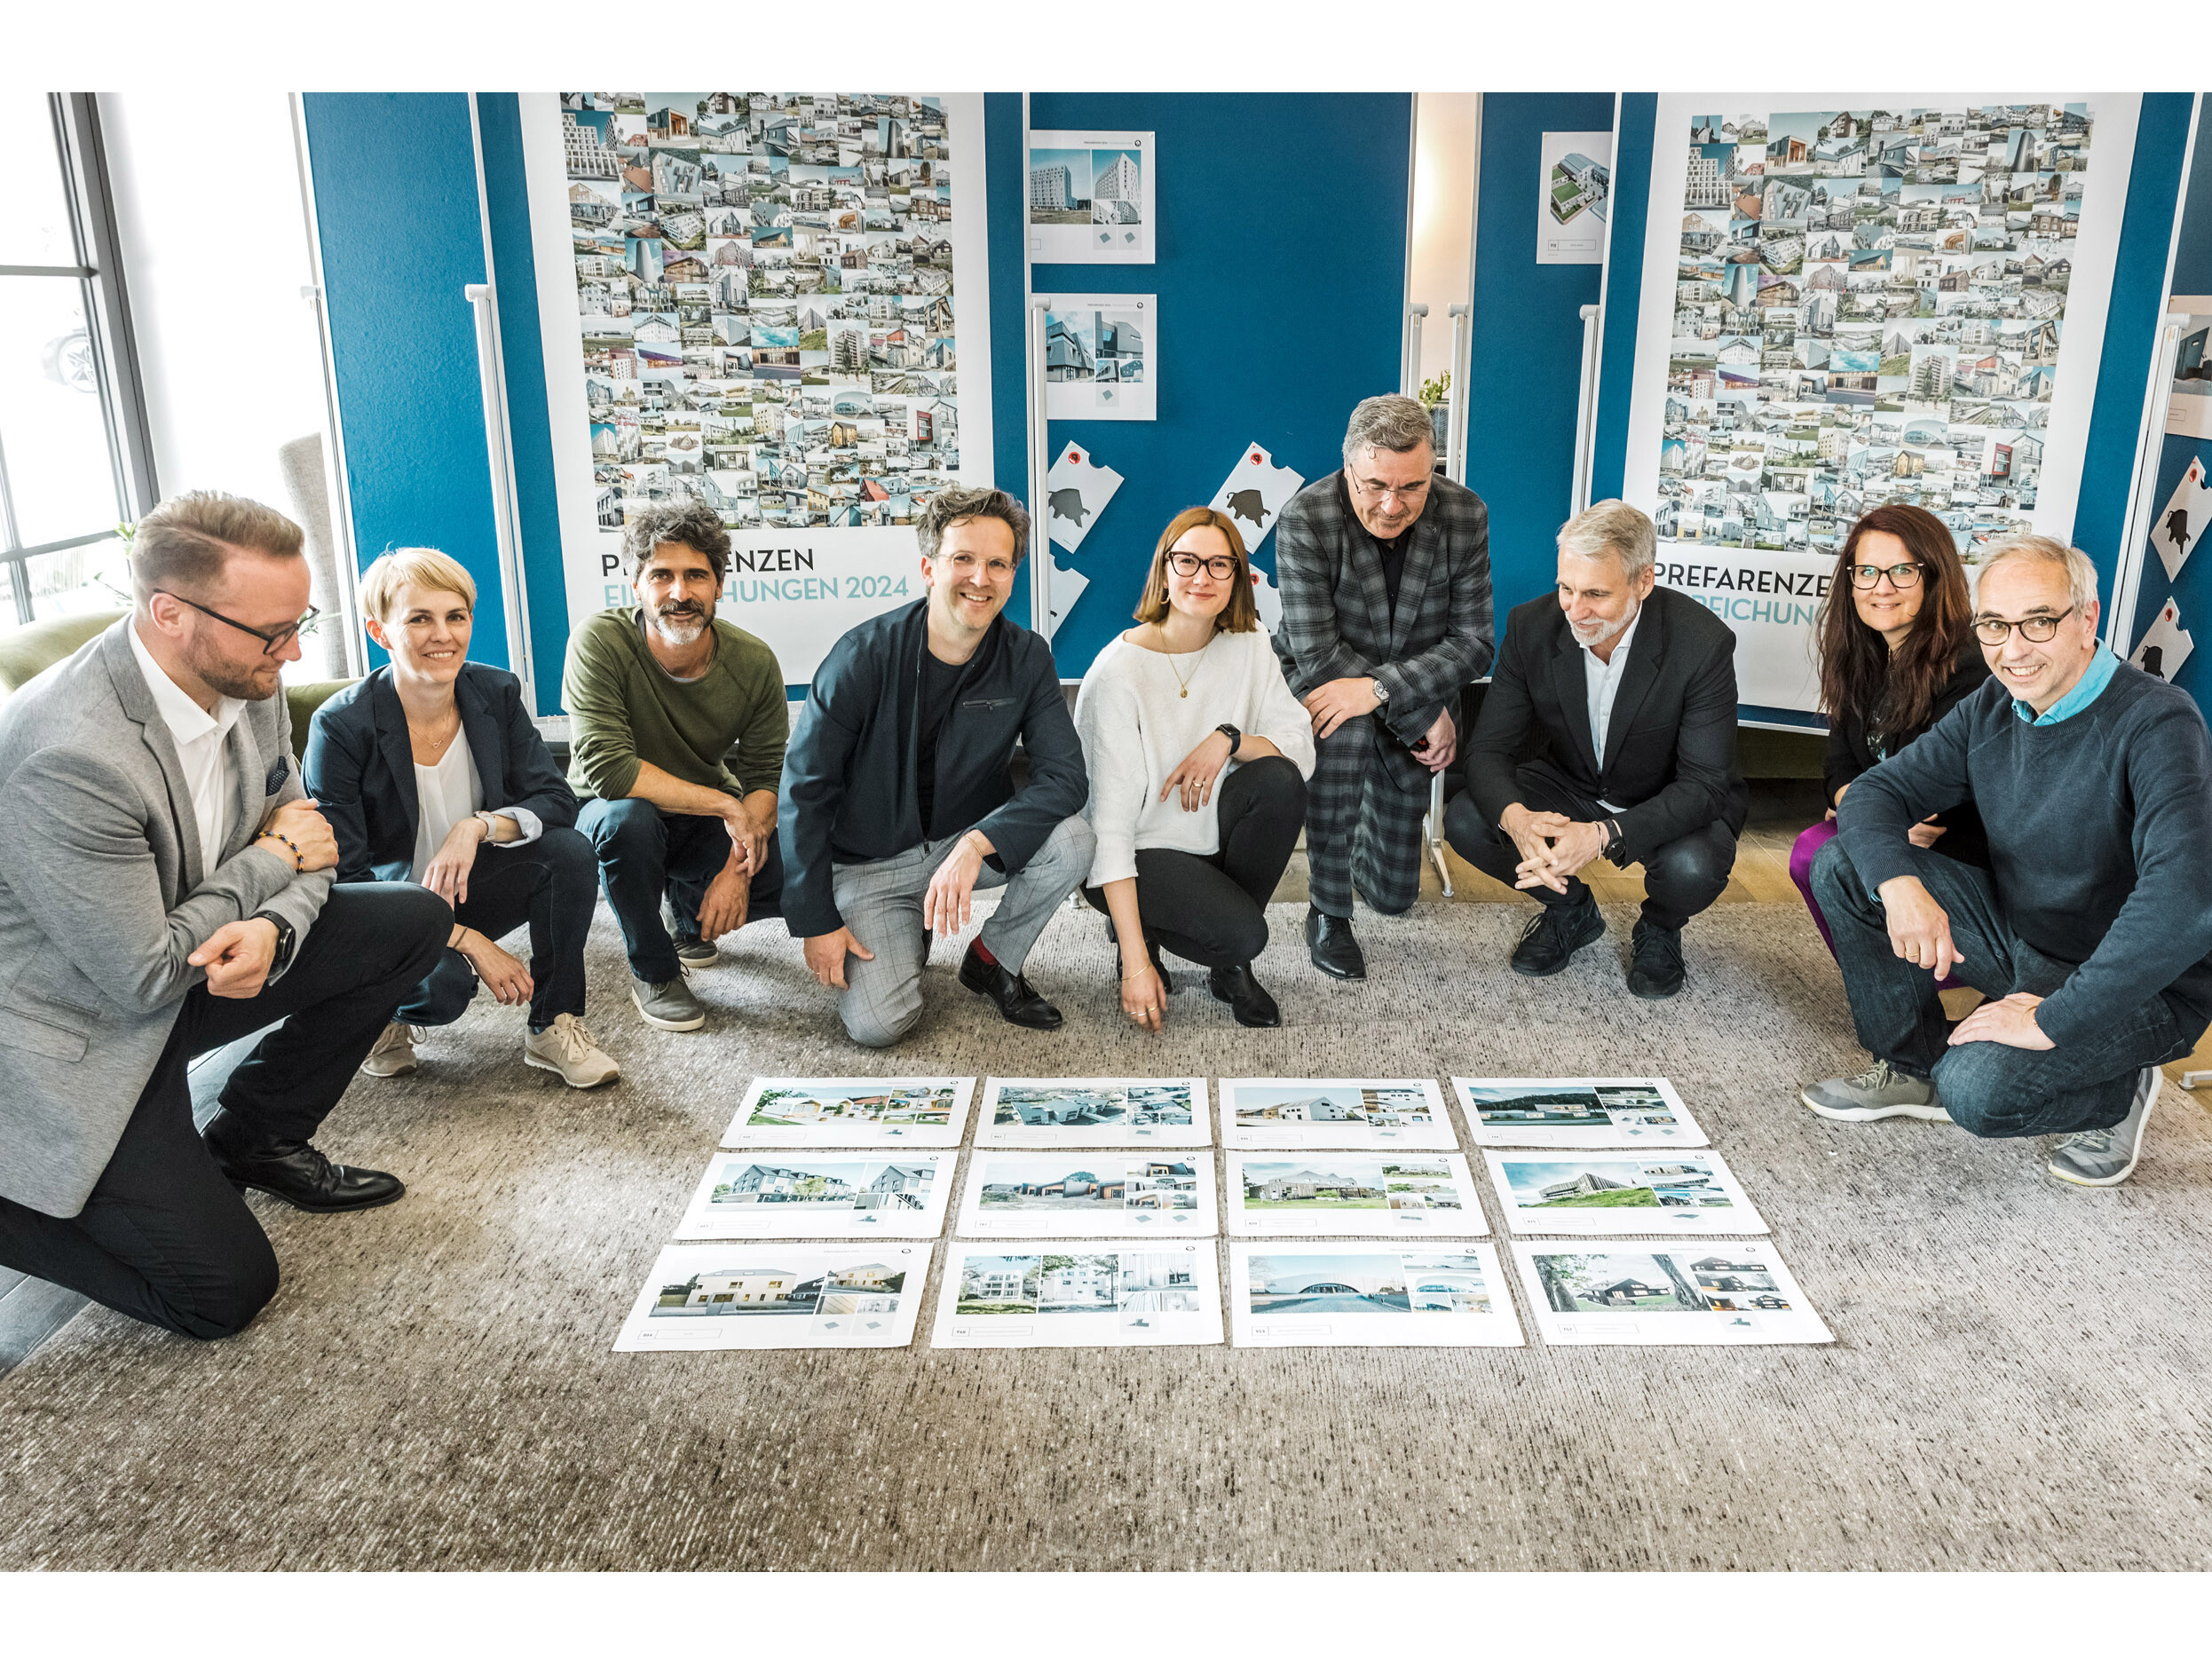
(882, 903)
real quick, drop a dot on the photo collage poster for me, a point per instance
(778, 1296)
(820, 1195)
(1090, 197)
(1308, 1194)
(851, 1112)
(1061, 1112)
(1346, 1113)
(1090, 1194)
(1100, 357)
(1078, 1293)
(1363, 1293)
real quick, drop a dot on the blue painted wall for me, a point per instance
(396, 204)
(1525, 347)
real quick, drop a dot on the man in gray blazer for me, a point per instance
(165, 888)
(1385, 569)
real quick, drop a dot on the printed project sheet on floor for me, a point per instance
(1310, 1194)
(1089, 1194)
(1610, 1193)
(1579, 1112)
(1295, 1113)
(820, 1195)
(777, 1295)
(1076, 1294)
(1094, 1111)
(1659, 1293)
(1370, 1293)
(852, 1112)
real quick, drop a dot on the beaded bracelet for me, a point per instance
(299, 858)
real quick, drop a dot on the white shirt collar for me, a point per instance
(187, 721)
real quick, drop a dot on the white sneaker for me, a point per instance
(566, 1047)
(394, 1052)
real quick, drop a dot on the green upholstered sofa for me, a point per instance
(26, 651)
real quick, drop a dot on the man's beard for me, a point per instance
(1609, 632)
(683, 624)
(225, 678)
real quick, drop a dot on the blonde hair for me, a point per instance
(187, 540)
(417, 567)
(1241, 614)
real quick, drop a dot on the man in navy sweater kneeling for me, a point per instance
(2090, 933)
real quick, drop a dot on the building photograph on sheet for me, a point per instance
(778, 1296)
(1447, 1295)
(1600, 1194)
(1070, 1293)
(851, 1112)
(2189, 411)
(1578, 1112)
(1334, 1194)
(1292, 1113)
(1090, 197)
(1574, 193)
(1089, 1194)
(1651, 1293)
(1057, 1113)
(1100, 361)
(834, 1195)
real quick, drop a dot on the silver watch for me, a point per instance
(1382, 692)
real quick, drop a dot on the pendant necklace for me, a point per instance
(1178, 673)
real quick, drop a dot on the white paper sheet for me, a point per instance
(1606, 1194)
(2166, 644)
(1089, 1194)
(2185, 518)
(778, 1296)
(1296, 1113)
(852, 1112)
(820, 1195)
(1254, 494)
(1078, 487)
(1077, 1293)
(1060, 1112)
(1317, 1195)
(2189, 411)
(1090, 197)
(1100, 360)
(1582, 1112)
(1370, 1294)
(1662, 1293)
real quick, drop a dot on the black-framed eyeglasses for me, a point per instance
(1995, 630)
(1380, 491)
(272, 640)
(1900, 575)
(1221, 567)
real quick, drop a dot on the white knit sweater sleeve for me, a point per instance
(1278, 715)
(1109, 719)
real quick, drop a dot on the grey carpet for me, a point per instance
(2018, 1382)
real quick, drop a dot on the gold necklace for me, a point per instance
(1180, 677)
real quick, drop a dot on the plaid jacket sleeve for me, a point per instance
(1312, 572)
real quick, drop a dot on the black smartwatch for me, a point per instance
(1235, 738)
(286, 941)
(1613, 840)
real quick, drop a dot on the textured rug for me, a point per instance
(2017, 1380)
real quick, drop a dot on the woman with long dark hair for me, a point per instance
(1897, 654)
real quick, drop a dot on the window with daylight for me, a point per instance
(76, 460)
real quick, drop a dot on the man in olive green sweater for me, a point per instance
(658, 694)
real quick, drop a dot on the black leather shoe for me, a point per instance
(1152, 949)
(1549, 943)
(1247, 997)
(1330, 941)
(296, 1172)
(1654, 960)
(1020, 1005)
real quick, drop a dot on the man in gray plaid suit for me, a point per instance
(1385, 569)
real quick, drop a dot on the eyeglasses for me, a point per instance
(1381, 492)
(1995, 630)
(1220, 568)
(1900, 575)
(273, 641)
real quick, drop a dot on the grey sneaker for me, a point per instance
(2105, 1157)
(568, 1047)
(694, 951)
(1880, 1091)
(394, 1053)
(668, 1007)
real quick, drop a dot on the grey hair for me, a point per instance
(2081, 574)
(1390, 422)
(1614, 526)
(949, 507)
(694, 524)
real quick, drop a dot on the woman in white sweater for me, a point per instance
(1188, 856)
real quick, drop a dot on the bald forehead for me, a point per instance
(2019, 586)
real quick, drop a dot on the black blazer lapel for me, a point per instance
(1647, 655)
(483, 733)
(398, 752)
(1570, 684)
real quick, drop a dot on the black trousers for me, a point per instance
(1680, 879)
(165, 1237)
(553, 884)
(1211, 909)
(644, 853)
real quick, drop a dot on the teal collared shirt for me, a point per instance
(2086, 690)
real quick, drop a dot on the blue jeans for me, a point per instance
(1989, 1088)
(643, 853)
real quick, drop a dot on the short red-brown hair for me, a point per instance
(1241, 614)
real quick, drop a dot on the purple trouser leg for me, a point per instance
(1801, 857)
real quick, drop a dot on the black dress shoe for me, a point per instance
(1247, 997)
(1020, 1005)
(1152, 949)
(1549, 943)
(1654, 960)
(296, 1172)
(1330, 941)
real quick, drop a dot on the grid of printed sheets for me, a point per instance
(1090, 1216)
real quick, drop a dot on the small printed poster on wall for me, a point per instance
(1077, 490)
(2189, 411)
(1099, 357)
(1254, 495)
(2187, 515)
(2166, 644)
(1090, 197)
(1575, 189)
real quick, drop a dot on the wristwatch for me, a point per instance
(1382, 692)
(1613, 840)
(1236, 737)
(287, 939)
(491, 823)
